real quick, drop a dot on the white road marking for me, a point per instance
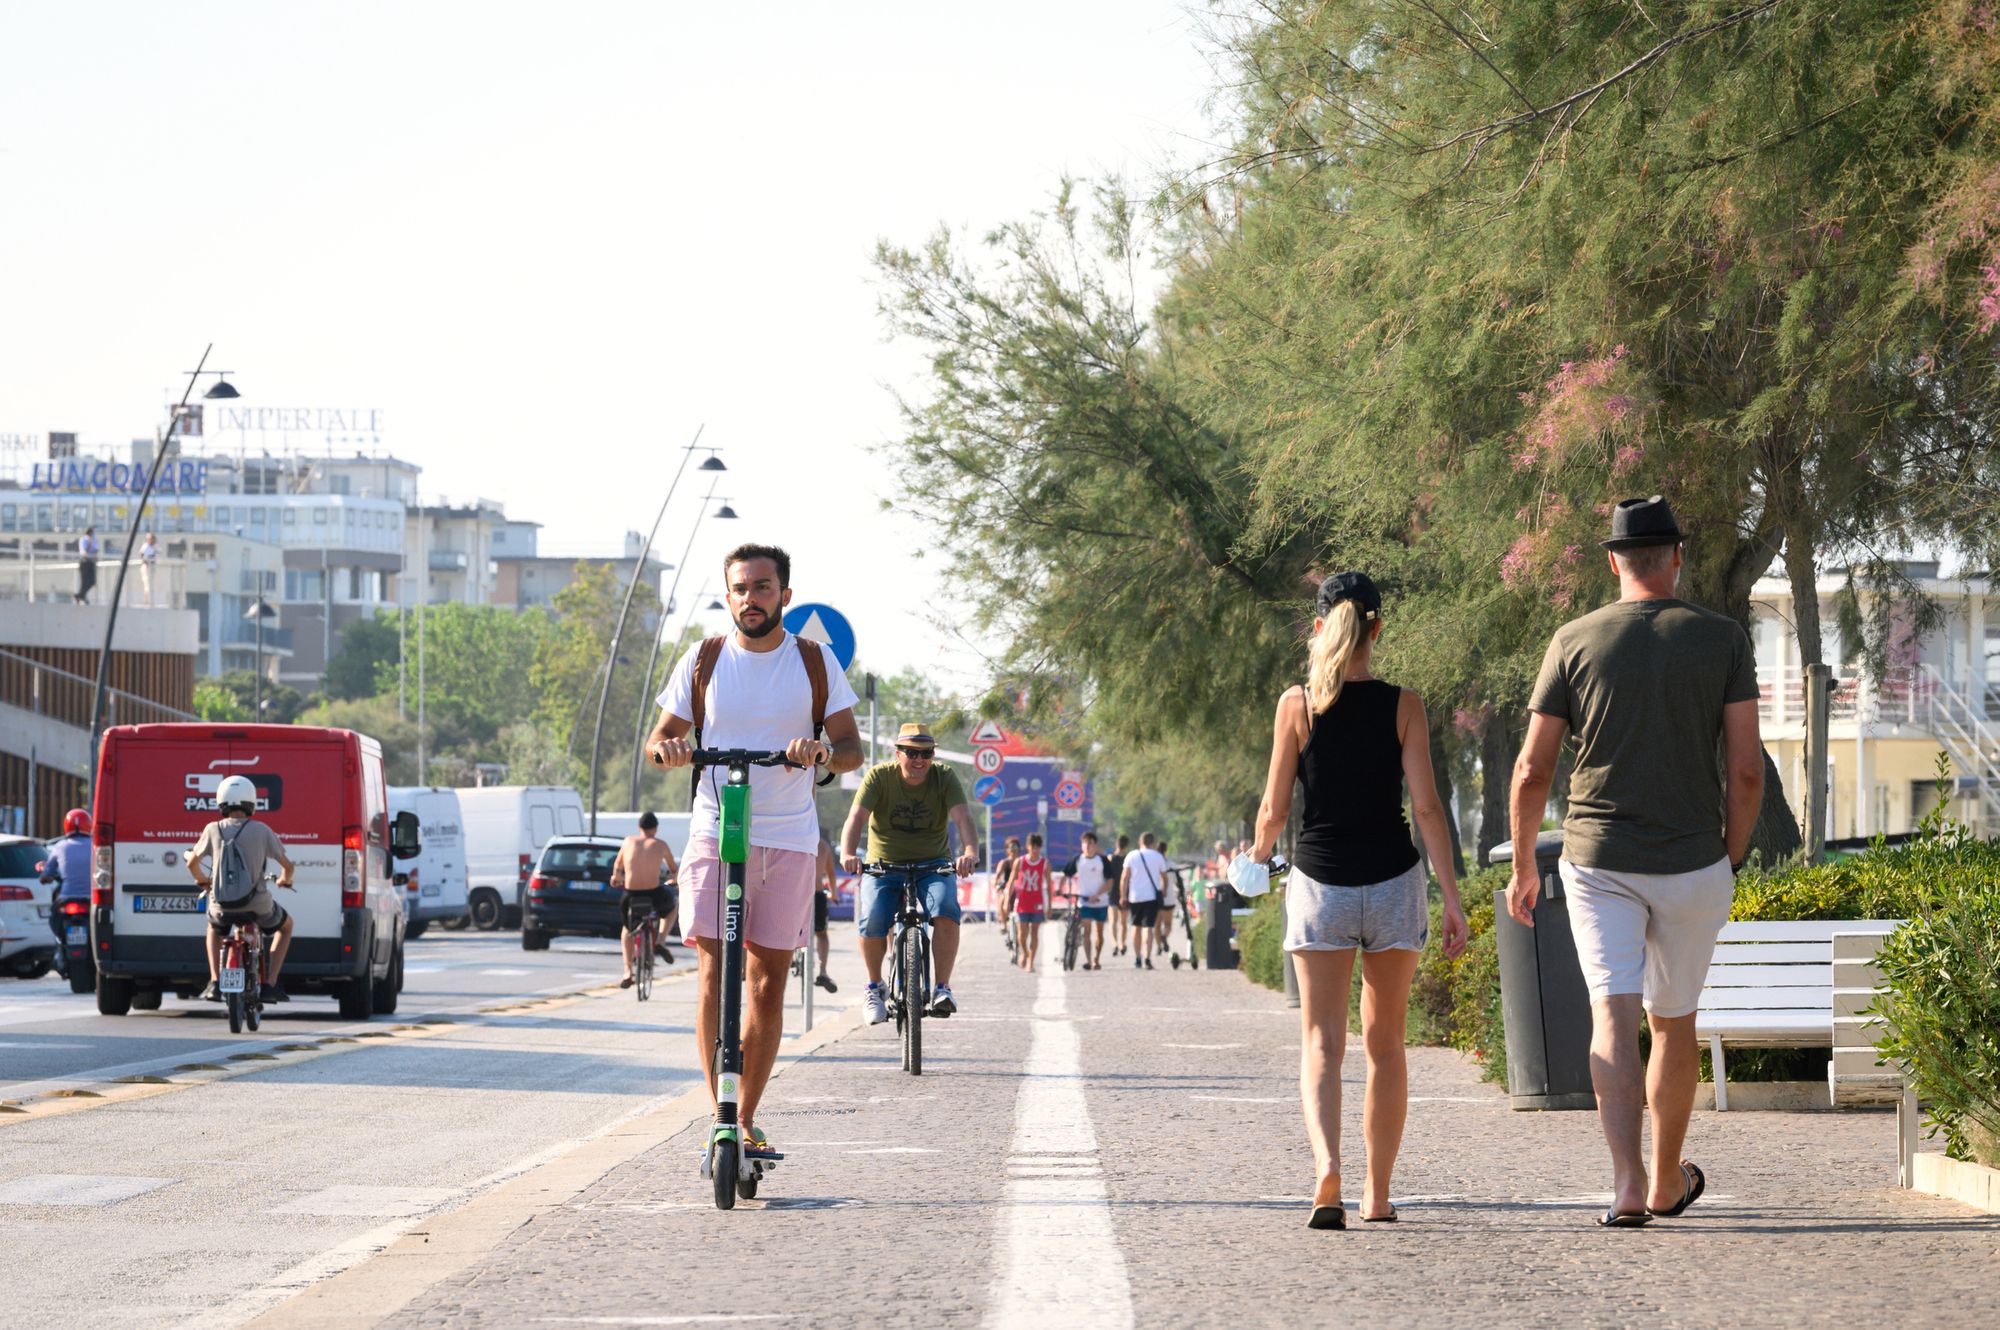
(1060, 1260)
(506, 974)
(38, 1045)
(894, 1150)
(377, 1202)
(712, 1319)
(1205, 1047)
(77, 1189)
(1231, 1099)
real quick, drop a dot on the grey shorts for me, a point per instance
(1383, 916)
(269, 914)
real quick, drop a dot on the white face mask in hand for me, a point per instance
(1249, 877)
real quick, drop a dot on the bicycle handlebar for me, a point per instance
(913, 866)
(740, 757)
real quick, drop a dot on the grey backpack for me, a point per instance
(233, 884)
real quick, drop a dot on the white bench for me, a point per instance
(1771, 985)
(1854, 1076)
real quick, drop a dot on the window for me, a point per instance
(6, 517)
(256, 517)
(291, 516)
(588, 860)
(541, 823)
(572, 821)
(340, 485)
(319, 517)
(222, 517)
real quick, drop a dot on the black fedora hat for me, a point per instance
(1636, 523)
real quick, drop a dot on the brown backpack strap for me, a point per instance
(705, 657)
(814, 660)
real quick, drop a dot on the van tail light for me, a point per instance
(351, 877)
(8, 893)
(537, 885)
(103, 877)
(527, 866)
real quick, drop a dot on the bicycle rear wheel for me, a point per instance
(915, 984)
(1072, 939)
(644, 962)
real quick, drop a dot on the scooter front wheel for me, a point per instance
(722, 1164)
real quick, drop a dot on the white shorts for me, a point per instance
(1648, 933)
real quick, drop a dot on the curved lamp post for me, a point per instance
(219, 390)
(646, 690)
(618, 631)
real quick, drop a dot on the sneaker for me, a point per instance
(213, 993)
(877, 1002)
(1138, 962)
(1149, 962)
(827, 983)
(665, 953)
(270, 995)
(941, 1003)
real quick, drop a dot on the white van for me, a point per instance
(437, 887)
(506, 827)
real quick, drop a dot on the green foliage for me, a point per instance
(212, 701)
(376, 718)
(1260, 942)
(282, 702)
(367, 648)
(1942, 969)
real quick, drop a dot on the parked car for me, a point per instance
(570, 892)
(320, 789)
(27, 947)
(506, 827)
(437, 889)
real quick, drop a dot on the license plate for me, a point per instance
(433, 891)
(586, 886)
(232, 980)
(166, 904)
(78, 935)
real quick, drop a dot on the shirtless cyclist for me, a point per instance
(645, 870)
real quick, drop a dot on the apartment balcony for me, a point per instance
(449, 561)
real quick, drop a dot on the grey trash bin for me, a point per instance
(1543, 1001)
(1220, 947)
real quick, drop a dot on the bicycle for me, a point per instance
(1072, 934)
(245, 968)
(642, 962)
(733, 1173)
(910, 951)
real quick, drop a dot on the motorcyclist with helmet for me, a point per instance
(236, 800)
(68, 867)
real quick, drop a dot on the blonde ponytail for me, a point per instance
(1333, 647)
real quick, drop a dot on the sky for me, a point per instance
(550, 242)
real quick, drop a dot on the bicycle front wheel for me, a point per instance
(645, 965)
(915, 987)
(1072, 939)
(235, 1004)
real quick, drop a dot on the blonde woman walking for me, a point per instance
(1353, 742)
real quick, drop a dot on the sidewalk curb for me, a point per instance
(383, 1282)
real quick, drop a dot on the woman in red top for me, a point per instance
(1031, 886)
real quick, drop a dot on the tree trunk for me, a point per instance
(1499, 745)
(1441, 767)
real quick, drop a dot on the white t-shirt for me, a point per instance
(1146, 886)
(1091, 887)
(759, 700)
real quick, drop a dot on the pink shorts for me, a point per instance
(777, 902)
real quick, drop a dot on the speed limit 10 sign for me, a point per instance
(987, 760)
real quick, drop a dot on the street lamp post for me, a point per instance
(711, 463)
(220, 389)
(259, 612)
(725, 513)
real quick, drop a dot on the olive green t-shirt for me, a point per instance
(1642, 684)
(907, 823)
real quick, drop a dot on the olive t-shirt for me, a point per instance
(907, 823)
(1642, 684)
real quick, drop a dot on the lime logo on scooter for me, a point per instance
(725, 1089)
(735, 891)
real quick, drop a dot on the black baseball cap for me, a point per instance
(1357, 587)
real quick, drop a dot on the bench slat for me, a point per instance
(1801, 930)
(1772, 953)
(1815, 1023)
(1800, 998)
(1765, 976)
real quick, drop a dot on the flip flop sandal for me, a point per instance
(1389, 1218)
(758, 1146)
(1328, 1216)
(1697, 1183)
(1612, 1219)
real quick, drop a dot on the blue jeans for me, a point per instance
(882, 896)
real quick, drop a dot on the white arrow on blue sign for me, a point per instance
(989, 790)
(823, 623)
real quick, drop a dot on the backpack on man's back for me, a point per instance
(232, 884)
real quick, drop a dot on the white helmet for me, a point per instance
(236, 790)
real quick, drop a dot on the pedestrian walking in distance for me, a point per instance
(1352, 743)
(149, 558)
(1649, 688)
(86, 564)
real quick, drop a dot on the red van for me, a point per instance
(321, 790)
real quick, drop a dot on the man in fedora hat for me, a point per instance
(1653, 691)
(907, 804)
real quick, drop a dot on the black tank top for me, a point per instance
(1352, 832)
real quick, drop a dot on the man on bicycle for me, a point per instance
(906, 805)
(644, 870)
(758, 696)
(1089, 877)
(236, 800)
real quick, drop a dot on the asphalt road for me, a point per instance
(268, 1162)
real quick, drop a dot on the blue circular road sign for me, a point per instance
(989, 790)
(823, 623)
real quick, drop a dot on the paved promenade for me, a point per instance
(1118, 1148)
